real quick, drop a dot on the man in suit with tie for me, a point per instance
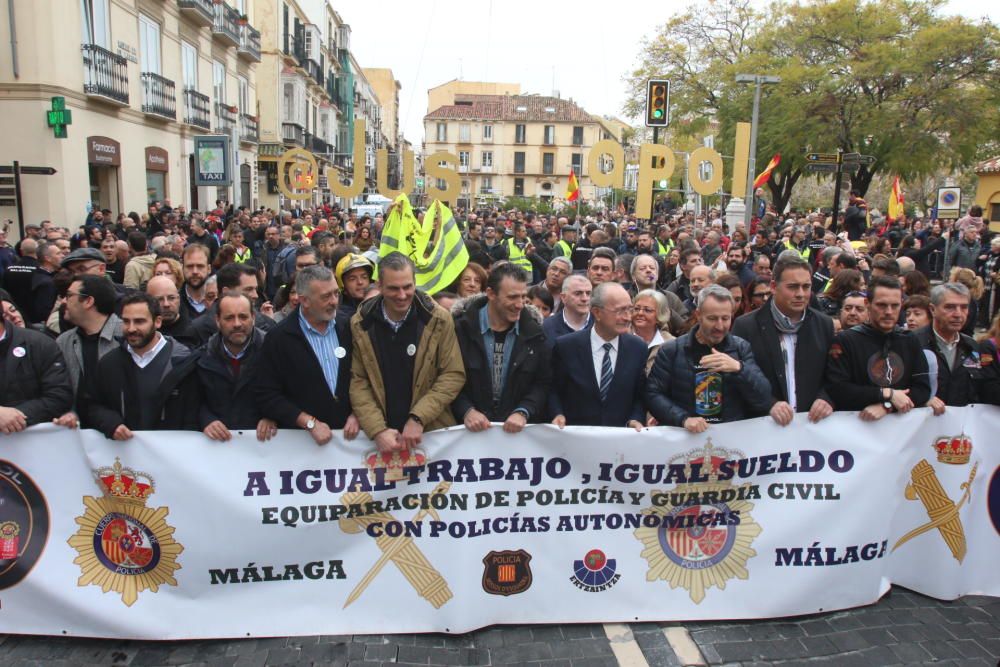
(790, 342)
(599, 373)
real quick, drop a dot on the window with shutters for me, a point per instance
(519, 162)
(486, 185)
(149, 44)
(577, 162)
(487, 133)
(96, 22)
(519, 134)
(487, 158)
(548, 163)
(463, 158)
(464, 133)
(550, 135)
(577, 135)
(518, 187)
(189, 65)
(442, 131)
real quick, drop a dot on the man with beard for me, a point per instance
(878, 368)
(90, 305)
(790, 343)
(227, 372)
(239, 278)
(149, 383)
(736, 261)
(174, 319)
(195, 267)
(354, 275)
(690, 258)
(644, 243)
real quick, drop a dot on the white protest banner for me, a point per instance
(172, 536)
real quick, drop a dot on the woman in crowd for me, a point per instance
(758, 292)
(364, 241)
(470, 282)
(650, 321)
(917, 310)
(732, 283)
(848, 280)
(540, 298)
(166, 266)
(915, 284)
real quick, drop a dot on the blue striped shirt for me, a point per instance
(325, 347)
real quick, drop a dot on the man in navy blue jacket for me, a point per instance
(599, 373)
(707, 376)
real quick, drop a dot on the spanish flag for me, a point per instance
(572, 188)
(766, 174)
(435, 245)
(896, 201)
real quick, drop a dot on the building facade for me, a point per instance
(147, 79)
(387, 89)
(513, 145)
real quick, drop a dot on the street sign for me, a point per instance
(949, 203)
(822, 167)
(28, 171)
(822, 158)
(858, 158)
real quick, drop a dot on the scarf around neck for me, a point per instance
(783, 323)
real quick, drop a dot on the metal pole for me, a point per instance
(17, 198)
(752, 170)
(652, 203)
(836, 192)
(13, 40)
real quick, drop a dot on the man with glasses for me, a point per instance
(175, 321)
(90, 305)
(599, 375)
(790, 341)
(559, 268)
(759, 292)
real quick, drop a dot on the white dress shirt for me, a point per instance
(597, 352)
(143, 360)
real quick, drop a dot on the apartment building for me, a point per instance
(513, 145)
(149, 77)
(387, 89)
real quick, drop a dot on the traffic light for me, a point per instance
(657, 103)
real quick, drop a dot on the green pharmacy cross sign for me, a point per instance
(59, 117)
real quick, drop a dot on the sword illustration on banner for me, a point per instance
(401, 550)
(941, 510)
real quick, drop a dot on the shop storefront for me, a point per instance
(104, 156)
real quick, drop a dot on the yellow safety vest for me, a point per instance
(244, 257)
(805, 253)
(517, 256)
(567, 249)
(662, 250)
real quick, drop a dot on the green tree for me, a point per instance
(891, 78)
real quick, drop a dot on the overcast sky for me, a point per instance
(581, 48)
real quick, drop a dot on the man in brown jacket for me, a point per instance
(406, 367)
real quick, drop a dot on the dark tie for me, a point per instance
(606, 372)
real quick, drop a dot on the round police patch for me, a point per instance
(24, 524)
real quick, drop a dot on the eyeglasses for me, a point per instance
(760, 295)
(644, 309)
(78, 295)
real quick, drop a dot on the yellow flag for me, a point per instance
(435, 245)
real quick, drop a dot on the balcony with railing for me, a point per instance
(249, 43)
(320, 146)
(159, 97)
(105, 74)
(248, 129)
(293, 133)
(226, 25)
(225, 118)
(199, 11)
(197, 109)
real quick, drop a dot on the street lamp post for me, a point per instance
(758, 80)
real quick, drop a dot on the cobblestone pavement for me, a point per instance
(902, 629)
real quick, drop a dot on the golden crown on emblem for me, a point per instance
(956, 450)
(125, 484)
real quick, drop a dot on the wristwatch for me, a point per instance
(310, 424)
(416, 419)
(887, 402)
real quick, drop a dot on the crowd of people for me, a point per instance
(236, 320)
